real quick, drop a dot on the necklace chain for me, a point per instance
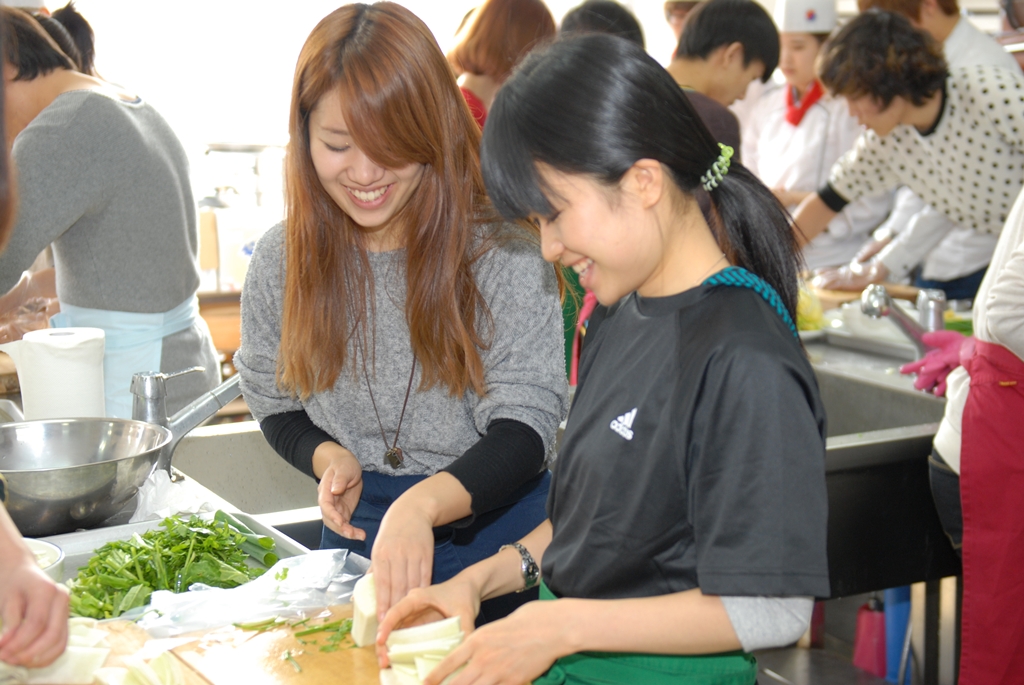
(710, 269)
(393, 455)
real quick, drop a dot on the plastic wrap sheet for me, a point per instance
(293, 587)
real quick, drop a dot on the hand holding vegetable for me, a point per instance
(457, 597)
(512, 651)
(341, 483)
(935, 366)
(403, 554)
(33, 609)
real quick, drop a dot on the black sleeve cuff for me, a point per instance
(510, 454)
(832, 199)
(295, 437)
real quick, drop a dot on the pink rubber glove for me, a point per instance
(933, 368)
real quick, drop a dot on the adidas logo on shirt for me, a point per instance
(624, 424)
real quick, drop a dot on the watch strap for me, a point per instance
(530, 569)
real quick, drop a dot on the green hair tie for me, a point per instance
(718, 170)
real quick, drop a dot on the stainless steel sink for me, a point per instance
(860, 405)
(883, 529)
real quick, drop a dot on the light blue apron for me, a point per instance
(134, 344)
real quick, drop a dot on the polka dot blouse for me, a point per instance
(970, 166)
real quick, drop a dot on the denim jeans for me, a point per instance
(454, 548)
(945, 485)
(963, 288)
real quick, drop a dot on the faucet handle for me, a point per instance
(150, 384)
(931, 308)
(875, 301)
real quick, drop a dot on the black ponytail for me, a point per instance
(595, 104)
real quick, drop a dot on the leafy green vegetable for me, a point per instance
(287, 656)
(344, 627)
(257, 546)
(123, 574)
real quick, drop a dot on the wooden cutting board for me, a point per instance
(126, 638)
(833, 298)
(229, 656)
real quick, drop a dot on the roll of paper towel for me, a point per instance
(60, 371)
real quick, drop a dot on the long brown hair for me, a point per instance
(498, 34)
(402, 106)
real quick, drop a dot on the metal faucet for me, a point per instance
(150, 405)
(876, 303)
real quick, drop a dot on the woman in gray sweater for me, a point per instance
(102, 177)
(399, 342)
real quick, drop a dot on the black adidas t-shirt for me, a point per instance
(694, 455)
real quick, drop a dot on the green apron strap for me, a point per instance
(621, 668)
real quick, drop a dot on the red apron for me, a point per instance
(992, 494)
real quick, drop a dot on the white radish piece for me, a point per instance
(406, 654)
(449, 627)
(364, 611)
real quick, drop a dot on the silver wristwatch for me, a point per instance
(531, 571)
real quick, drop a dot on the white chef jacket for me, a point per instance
(998, 318)
(744, 108)
(948, 250)
(799, 158)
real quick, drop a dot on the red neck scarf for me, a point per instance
(795, 112)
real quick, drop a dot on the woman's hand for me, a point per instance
(937, 364)
(512, 651)
(34, 609)
(871, 248)
(341, 484)
(459, 596)
(854, 276)
(403, 553)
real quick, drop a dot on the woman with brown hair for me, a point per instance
(399, 342)
(492, 40)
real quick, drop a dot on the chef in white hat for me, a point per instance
(799, 131)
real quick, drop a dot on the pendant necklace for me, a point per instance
(393, 455)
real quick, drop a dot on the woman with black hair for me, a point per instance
(687, 513)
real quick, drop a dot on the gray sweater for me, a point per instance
(524, 366)
(106, 182)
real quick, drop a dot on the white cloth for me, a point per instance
(798, 158)
(744, 108)
(967, 46)
(998, 318)
(948, 250)
(970, 166)
(134, 344)
(766, 622)
(923, 233)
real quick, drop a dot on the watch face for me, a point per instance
(532, 574)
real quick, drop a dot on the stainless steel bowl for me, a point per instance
(66, 474)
